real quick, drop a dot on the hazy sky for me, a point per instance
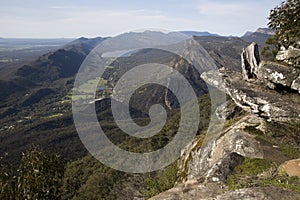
(90, 18)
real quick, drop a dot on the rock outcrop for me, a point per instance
(296, 84)
(193, 191)
(266, 88)
(265, 193)
(278, 75)
(291, 167)
(255, 97)
(204, 161)
(250, 60)
(268, 94)
(227, 110)
(290, 55)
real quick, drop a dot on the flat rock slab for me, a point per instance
(210, 192)
(277, 73)
(259, 193)
(255, 97)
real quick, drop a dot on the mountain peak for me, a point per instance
(248, 33)
(265, 31)
(197, 33)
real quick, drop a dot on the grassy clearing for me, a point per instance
(53, 116)
(290, 151)
(5, 60)
(283, 137)
(247, 173)
(253, 173)
(87, 87)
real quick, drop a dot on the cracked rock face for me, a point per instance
(227, 110)
(256, 98)
(208, 160)
(225, 167)
(271, 73)
(287, 55)
(196, 192)
(208, 166)
(296, 84)
(278, 74)
(206, 163)
(265, 193)
(250, 60)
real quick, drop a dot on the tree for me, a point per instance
(39, 175)
(163, 181)
(285, 19)
(7, 179)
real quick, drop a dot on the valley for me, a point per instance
(36, 109)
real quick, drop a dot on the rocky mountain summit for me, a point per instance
(256, 155)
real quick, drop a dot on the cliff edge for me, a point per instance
(256, 155)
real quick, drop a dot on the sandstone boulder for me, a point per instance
(291, 167)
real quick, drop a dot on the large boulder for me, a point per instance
(291, 167)
(195, 191)
(278, 74)
(250, 61)
(227, 110)
(290, 55)
(296, 84)
(255, 97)
(191, 190)
(273, 74)
(204, 159)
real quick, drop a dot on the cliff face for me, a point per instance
(256, 154)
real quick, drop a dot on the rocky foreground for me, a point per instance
(256, 155)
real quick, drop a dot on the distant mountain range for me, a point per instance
(259, 36)
(36, 109)
(41, 84)
(266, 31)
(263, 31)
(65, 62)
(17, 42)
(197, 33)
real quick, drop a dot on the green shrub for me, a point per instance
(290, 151)
(246, 174)
(285, 19)
(163, 181)
(283, 181)
(39, 176)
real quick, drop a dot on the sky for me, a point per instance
(92, 18)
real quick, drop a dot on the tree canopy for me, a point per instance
(285, 19)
